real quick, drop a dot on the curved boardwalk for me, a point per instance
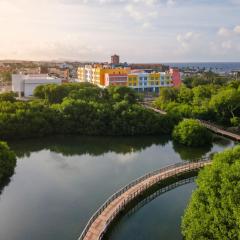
(102, 219)
(210, 126)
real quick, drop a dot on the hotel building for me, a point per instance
(139, 79)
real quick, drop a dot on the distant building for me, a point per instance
(59, 72)
(116, 79)
(115, 60)
(139, 79)
(29, 70)
(24, 85)
(176, 77)
(5, 69)
(96, 74)
(149, 82)
(150, 67)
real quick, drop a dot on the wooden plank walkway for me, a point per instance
(206, 124)
(102, 219)
(220, 131)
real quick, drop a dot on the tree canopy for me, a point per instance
(212, 99)
(7, 162)
(83, 109)
(190, 132)
(214, 208)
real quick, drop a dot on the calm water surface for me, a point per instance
(59, 183)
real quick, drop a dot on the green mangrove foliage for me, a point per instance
(190, 132)
(209, 97)
(214, 209)
(7, 162)
(82, 109)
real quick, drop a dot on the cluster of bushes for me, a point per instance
(80, 109)
(190, 132)
(218, 103)
(213, 212)
(7, 162)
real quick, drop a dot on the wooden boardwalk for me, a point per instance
(220, 131)
(208, 125)
(102, 219)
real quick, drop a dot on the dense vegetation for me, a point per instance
(207, 97)
(7, 162)
(79, 109)
(213, 212)
(190, 132)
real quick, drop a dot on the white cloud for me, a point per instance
(237, 29)
(224, 32)
(187, 39)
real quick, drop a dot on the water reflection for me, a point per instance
(59, 182)
(221, 141)
(191, 153)
(94, 146)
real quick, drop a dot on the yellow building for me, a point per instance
(132, 80)
(154, 79)
(96, 74)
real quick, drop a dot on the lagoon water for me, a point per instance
(59, 182)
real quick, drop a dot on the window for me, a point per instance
(145, 78)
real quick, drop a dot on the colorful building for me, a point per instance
(149, 82)
(176, 77)
(116, 79)
(139, 79)
(96, 74)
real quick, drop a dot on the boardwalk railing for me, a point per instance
(212, 127)
(216, 129)
(170, 171)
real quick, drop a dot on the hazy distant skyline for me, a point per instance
(137, 30)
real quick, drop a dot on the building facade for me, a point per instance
(115, 60)
(140, 80)
(149, 82)
(97, 74)
(25, 85)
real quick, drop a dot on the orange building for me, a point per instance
(97, 74)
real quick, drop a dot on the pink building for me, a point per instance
(176, 78)
(116, 79)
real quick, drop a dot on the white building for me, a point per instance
(24, 85)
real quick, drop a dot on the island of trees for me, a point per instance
(190, 132)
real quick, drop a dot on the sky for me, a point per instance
(137, 30)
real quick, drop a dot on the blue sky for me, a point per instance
(137, 30)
